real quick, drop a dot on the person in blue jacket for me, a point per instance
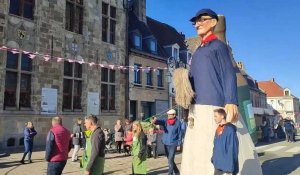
(171, 138)
(226, 146)
(29, 133)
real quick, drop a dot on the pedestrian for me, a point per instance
(294, 131)
(288, 128)
(139, 149)
(58, 145)
(213, 79)
(96, 147)
(78, 136)
(265, 127)
(119, 134)
(152, 143)
(226, 146)
(171, 138)
(128, 142)
(127, 126)
(29, 133)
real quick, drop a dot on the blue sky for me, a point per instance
(264, 34)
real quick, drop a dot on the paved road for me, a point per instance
(115, 164)
(280, 158)
(277, 159)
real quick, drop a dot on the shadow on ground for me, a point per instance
(269, 166)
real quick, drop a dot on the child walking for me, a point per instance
(226, 146)
(139, 149)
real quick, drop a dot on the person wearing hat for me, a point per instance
(214, 82)
(171, 138)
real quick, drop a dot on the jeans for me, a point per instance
(170, 152)
(28, 149)
(56, 168)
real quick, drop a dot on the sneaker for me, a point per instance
(30, 161)
(22, 162)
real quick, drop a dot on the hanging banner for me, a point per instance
(49, 101)
(93, 103)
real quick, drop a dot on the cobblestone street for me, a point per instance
(116, 164)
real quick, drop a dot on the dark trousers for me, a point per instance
(289, 133)
(56, 168)
(28, 149)
(152, 148)
(170, 152)
(119, 146)
(127, 149)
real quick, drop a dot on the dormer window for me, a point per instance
(175, 53)
(137, 41)
(286, 93)
(152, 46)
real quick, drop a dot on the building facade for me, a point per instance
(155, 50)
(59, 58)
(281, 100)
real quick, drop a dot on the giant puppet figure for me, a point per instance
(213, 79)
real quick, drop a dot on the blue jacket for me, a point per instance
(212, 75)
(172, 134)
(226, 149)
(29, 134)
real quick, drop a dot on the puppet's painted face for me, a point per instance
(204, 24)
(218, 117)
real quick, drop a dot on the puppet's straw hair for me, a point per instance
(183, 88)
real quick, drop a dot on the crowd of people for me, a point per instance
(129, 138)
(282, 129)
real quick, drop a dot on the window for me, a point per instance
(159, 78)
(18, 81)
(72, 87)
(109, 14)
(152, 46)
(286, 93)
(137, 74)
(23, 8)
(137, 41)
(149, 76)
(175, 53)
(108, 89)
(74, 15)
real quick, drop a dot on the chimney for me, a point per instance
(273, 79)
(139, 9)
(182, 35)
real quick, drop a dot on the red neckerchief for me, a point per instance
(208, 39)
(171, 121)
(220, 129)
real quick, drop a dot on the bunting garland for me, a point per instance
(47, 57)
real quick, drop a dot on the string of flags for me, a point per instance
(47, 57)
